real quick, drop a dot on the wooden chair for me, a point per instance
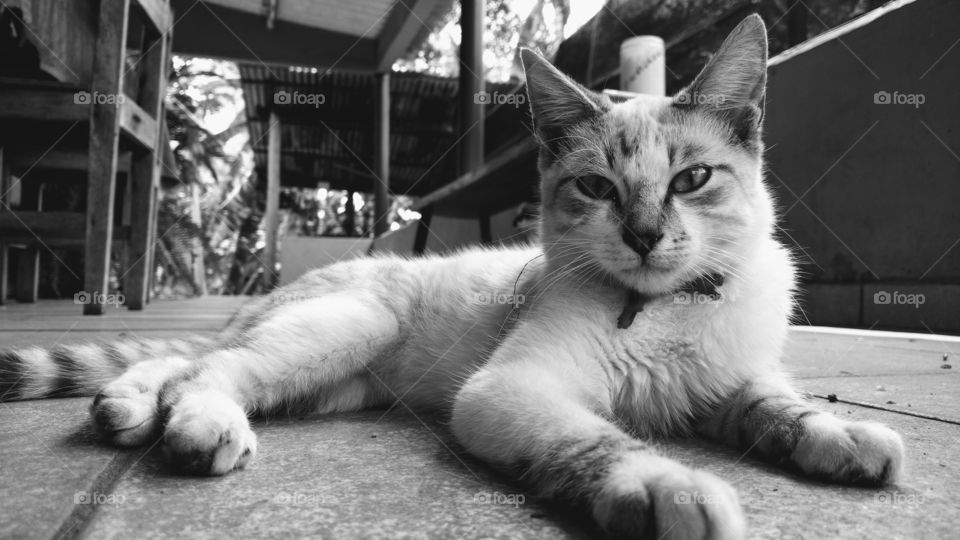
(114, 117)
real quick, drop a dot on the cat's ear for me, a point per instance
(734, 81)
(557, 102)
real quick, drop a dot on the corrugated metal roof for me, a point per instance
(327, 126)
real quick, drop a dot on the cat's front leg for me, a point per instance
(544, 423)
(768, 418)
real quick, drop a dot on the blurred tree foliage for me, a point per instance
(208, 225)
(508, 28)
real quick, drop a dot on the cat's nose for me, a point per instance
(642, 241)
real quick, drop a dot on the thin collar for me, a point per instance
(705, 285)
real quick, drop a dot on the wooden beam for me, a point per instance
(61, 160)
(138, 124)
(210, 30)
(471, 85)
(145, 174)
(403, 26)
(45, 104)
(26, 224)
(381, 155)
(525, 150)
(271, 218)
(157, 12)
(104, 136)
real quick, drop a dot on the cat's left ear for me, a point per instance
(557, 102)
(734, 81)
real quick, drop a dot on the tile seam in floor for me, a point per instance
(886, 409)
(75, 523)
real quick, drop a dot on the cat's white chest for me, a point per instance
(669, 366)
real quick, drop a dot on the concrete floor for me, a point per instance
(367, 475)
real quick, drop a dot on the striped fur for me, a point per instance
(82, 369)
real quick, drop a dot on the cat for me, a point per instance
(657, 305)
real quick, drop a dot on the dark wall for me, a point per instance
(870, 188)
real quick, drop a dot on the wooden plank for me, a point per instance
(28, 274)
(63, 160)
(218, 32)
(381, 154)
(403, 26)
(145, 176)
(44, 104)
(271, 217)
(43, 224)
(157, 12)
(104, 136)
(138, 124)
(471, 84)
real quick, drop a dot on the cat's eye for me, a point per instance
(597, 187)
(690, 179)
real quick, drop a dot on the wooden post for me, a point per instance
(28, 274)
(199, 265)
(4, 272)
(145, 176)
(350, 215)
(381, 155)
(423, 231)
(4, 256)
(271, 217)
(471, 85)
(797, 23)
(107, 86)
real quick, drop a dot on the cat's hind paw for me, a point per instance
(654, 497)
(208, 434)
(125, 410)
(864, 453)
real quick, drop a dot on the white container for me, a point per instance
(643, 66)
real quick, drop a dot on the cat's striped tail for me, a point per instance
(82, 369)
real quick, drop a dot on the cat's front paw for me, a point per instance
(652, 497)
(208, 433)
(864, 453)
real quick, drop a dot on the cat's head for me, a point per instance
(655, 191)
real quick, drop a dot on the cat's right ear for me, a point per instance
(557, 102)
